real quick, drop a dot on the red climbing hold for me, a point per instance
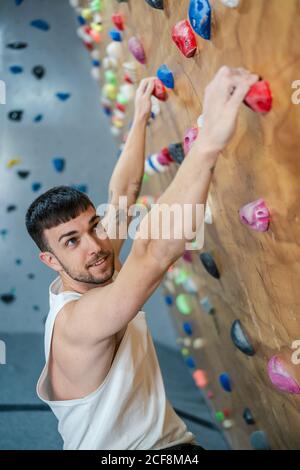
(184, 38)
(118, 21)
(159, 90)
(259, 97)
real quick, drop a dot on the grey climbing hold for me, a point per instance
(240, 339)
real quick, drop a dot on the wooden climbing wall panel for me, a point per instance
(260, 272)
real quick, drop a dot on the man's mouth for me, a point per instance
(99, 262)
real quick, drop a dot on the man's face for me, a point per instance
(80, 243)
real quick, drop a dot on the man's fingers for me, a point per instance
(241, 88)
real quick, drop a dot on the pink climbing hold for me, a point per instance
(280, 376)
(164, 157)
(184, 38)
(188, 139)
(256, 215)
(137, 50)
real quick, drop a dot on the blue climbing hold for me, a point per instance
(115, 35)
(23, 174)
(190, 362)
(42, 25)
(16, 69)
(225, 382)
(96, 63)
(80, 187)
(200, 17)
(38, 118)
(36, 308)
(166, 76)
(59, 164)
(18, 261)
(36, 186)
(158, 4)
(248, 417)
(63, 96)
(81, 20)
(3, 233)
(18, 2)
(169, 300)
(187, 328)
(107, 111)
(30, 276)
(240, 339)
(11, 208)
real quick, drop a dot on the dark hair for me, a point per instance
(56, 206)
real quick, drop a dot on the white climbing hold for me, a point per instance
(114, 50)
(198, 343)
(227, 423)
(200, 121)
(95, 72)
(231, 3)
(208, 214)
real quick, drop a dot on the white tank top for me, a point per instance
(129, 410)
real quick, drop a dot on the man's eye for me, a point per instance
(71, 240)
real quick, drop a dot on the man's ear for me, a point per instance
(50, 260)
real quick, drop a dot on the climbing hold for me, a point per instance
(81, 20)
(230, 3)
(190, 286)
(210, 394)
(158, 4)
(18, 2)
(259, 97)
(128, 91)
(130, 71)
(159, 90)
(189, 137)
(240, 338)
(80, 187)
(187, 328)
(114, 50)
(15, 115)
(3, 233)
(118, 21)
(183, 305)
(281, 374)
(16, 69)
(208, 219)
(259, 441)
(209, 264)
(220, 416)
(59, 164)
(200, 17)
(11, 208)
(62, 96)
(225, 382)
(110, 91)
(137, 50)
(227, 424)
(164, 157)
(207, 306)
(200, 120)
(187, 256)
(36, 186)
(42, 25)
(38, 118)
(198, 343)
(30, 276)
(176, 152)
(7, 298)
(115, 35)
(23, 174)
(256, 215)
(248, 417)
(190, 362)
(166, 76)
(110, 77)
(12, 162)
(200, 378)
(17, 45)
(184, 38)
(18, 261)
(226, 412)
(180, 276)
(38, 71)
(36, 308)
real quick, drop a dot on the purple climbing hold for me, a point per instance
(200, 17)
(256, 215)
(42, 25)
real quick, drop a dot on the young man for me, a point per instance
(101, 378)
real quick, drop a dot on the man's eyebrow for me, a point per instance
(74, 232)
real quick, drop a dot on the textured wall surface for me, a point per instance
(259, 272)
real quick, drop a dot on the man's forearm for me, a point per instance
(190, 186)
(128, 173)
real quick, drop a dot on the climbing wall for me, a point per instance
(237, 323)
